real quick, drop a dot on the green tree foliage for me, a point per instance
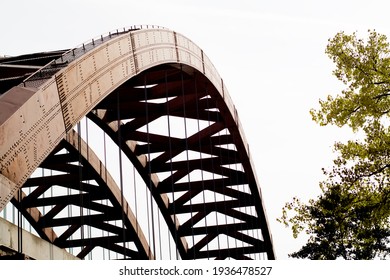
(350, 218)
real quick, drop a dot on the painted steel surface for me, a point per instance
(35, 118)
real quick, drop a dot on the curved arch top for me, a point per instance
(36, 115)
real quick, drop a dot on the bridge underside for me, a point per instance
(137, 111)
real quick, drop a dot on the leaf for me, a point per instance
(350, 218)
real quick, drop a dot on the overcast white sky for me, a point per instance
(269, 53)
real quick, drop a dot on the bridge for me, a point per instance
(125, 147)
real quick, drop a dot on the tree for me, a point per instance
(350, 218)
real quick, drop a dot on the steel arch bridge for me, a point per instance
(106, 146)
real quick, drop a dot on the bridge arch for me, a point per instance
(128, 82)
(80, 185)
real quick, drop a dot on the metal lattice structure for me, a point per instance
(156, 97)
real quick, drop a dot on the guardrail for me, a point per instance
(37, 78)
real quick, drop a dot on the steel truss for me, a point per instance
(159, 99)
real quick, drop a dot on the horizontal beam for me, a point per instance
(32, 246)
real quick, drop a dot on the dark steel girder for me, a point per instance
(211, 140)
(88, 197)
(127, 94)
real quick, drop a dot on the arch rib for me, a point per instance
(39, 118)
(92, 198)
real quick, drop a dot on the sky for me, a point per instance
(270, 54)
